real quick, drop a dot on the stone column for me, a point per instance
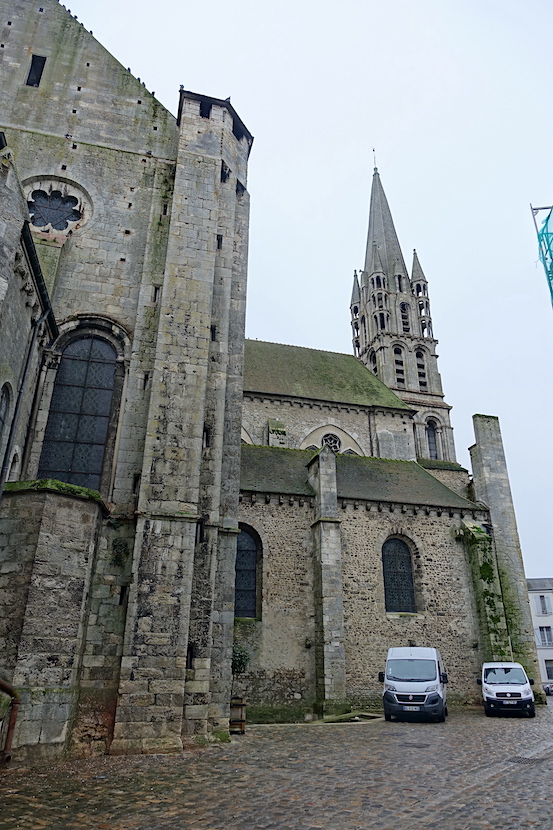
(491, 485)
(327, 549)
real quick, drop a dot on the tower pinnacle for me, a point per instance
(382, 232)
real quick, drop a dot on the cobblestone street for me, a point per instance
(471, 772)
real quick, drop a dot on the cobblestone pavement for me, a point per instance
(469, 773)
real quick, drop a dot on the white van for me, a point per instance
(414, 683)
(506, 688)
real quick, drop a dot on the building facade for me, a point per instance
(540, 595)
(172, 488)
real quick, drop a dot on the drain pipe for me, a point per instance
(8, 689)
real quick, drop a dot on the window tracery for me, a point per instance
(399, 587)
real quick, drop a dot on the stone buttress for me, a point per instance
(186, 529)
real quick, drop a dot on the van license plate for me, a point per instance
(411, 708)
(509, 702)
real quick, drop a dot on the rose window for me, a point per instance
(332, 441)
(53, 209)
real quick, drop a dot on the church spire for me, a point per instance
(382, 233)
(392, 331)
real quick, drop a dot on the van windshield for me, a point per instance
(419, 670)
(504, 676)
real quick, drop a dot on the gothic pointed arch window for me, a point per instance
(82, 416)
(247, 594)
(431, 438)
(421, 370)
(399, 366)
(399, 586)
(372, 363)
(405, 324)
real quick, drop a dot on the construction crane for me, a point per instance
(545, 242)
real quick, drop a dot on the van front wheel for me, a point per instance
(387, 716)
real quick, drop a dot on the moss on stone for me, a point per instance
(437, 464)
(52, 484)
(222, 736)
(274, 713)
(494, 632)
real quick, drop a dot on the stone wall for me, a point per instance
(367, 431)
(446, 615)
(282, 642)
(47, 635)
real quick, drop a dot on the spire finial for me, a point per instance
(374, 159)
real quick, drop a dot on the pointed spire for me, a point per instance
(376, 266)
(417, 273)
(382, 232)
(356, 293)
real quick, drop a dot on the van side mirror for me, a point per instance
(443, 677)
(531, 681)
(479, 681)
(381, 677)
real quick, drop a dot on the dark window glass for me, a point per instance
(4, 406)
(73, 449)
(431, 438)
(36, 70)
(399, 590)
(245, 594)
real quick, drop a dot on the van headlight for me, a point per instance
(488, 691)
(433, 688)
(389, 688)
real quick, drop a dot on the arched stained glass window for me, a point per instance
(399, 589)
(77, 429)
(245, 591)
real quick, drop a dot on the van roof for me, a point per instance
(420, 652)
(505, 664)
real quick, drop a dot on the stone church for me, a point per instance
(169, 489)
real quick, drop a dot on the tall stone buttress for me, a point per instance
(392, 330)
(178, 640)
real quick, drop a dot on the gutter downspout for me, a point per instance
(7, 688)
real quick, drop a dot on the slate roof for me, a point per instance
(275, 470)
(383, 479)
(294, 371)
(544, 584)
(278, 470)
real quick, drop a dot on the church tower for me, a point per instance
(392, 330)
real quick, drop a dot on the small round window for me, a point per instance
(331, 441)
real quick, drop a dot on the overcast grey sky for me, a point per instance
(456, 99)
